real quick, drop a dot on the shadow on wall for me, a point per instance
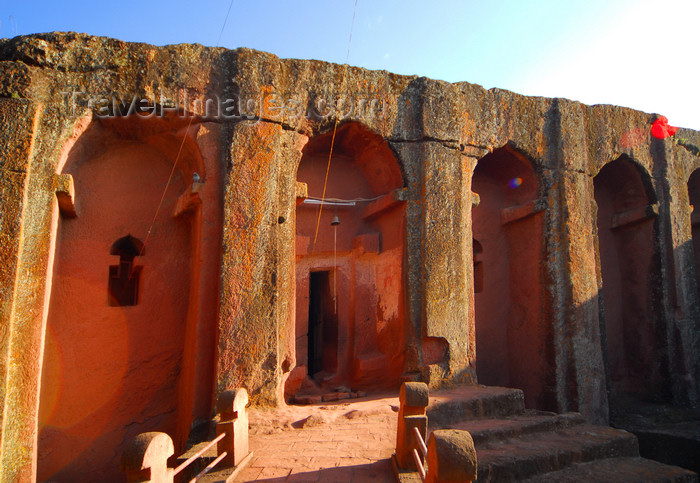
(121, 301)
(513, 337)
(694, 197)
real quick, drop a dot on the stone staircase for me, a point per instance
(516, 444)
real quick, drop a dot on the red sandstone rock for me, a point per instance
(451, 457)
(223, 298)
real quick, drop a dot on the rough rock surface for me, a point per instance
(55, 85)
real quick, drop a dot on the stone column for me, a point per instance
(31, 146)
(448, 316)
(256, 346)
(580, 370)
(681, 291)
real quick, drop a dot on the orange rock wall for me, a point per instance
(241, 263)
(138, 355)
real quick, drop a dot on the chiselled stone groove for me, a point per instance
(15, 170)
(691, 148)
(448, 143)
(30, 62)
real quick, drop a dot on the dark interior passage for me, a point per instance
(323, 325)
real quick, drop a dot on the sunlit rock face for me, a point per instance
(179, 221)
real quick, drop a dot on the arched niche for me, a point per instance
(350, 295)
(694, 198)
(507, 227)
(113, 369)
(631, 278)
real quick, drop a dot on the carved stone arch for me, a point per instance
(112, 363)
(632, 329)
(350, 307)
(512, 331)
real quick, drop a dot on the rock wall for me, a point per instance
(255, 114)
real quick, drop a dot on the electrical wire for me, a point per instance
(177, 157)
(335, 129)
(339, 200)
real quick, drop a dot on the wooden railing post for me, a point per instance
(413, 399)
(451, 457)
(145, 460)
(233, 420)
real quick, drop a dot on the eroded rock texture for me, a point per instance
(161, 243)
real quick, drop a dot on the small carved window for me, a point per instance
(123, 285)
(478, 267)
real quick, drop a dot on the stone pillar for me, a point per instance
(146, 459)
(256, 308)
(447, 239)
(233, 421)
(578, 334)
(19, 404)
(410, 158)
(451, 457)
(681, 298)
(580, 370)
(32, 140)
(448, 316)
(413, 398)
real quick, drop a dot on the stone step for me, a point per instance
(540, 453)
(625, 470)
(474, 402)
(673, 444)
(530, 422)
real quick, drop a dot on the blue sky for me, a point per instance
(641, 54)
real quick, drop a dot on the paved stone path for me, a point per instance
(334, 442)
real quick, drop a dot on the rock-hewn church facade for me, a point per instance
(174, 224)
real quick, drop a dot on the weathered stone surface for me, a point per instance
(18, 80)
(17, 120)
(256, 297)
(446, 257)
(451, 456)
(54, 86)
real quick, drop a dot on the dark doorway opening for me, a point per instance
(323, 325)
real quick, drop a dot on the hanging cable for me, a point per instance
(335, 129)
(177, 157)
(340, 200)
